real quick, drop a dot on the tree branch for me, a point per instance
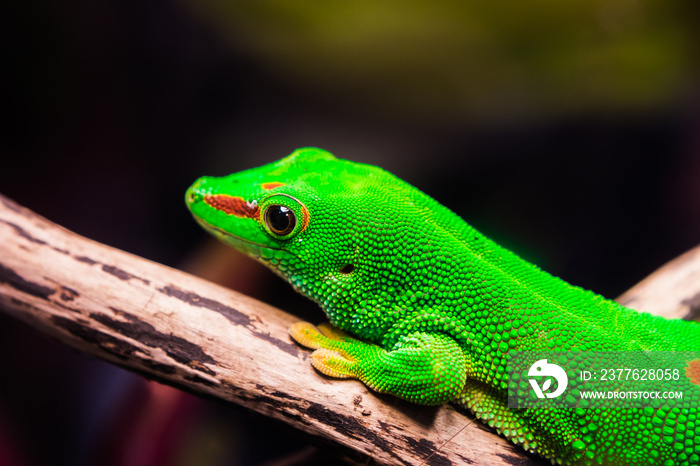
(198, 336)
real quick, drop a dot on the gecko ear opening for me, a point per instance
(347, 269)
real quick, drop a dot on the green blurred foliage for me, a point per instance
(456, 60)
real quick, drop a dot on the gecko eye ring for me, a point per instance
(280, 219)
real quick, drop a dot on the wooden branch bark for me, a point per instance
(672, 291)
(201, 337)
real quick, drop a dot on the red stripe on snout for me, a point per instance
(233, 205)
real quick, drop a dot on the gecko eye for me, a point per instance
(280, 220)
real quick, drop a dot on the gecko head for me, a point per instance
(328, 226)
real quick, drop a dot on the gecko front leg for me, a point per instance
(424, 368)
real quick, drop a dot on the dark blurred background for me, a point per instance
(567, 131)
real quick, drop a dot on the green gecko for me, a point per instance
(436, 309)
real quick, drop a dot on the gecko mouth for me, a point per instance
(256, 250)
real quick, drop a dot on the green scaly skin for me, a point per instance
(438, 307)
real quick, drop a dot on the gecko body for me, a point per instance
(424, 307)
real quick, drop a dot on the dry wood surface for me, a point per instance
(198, 336)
